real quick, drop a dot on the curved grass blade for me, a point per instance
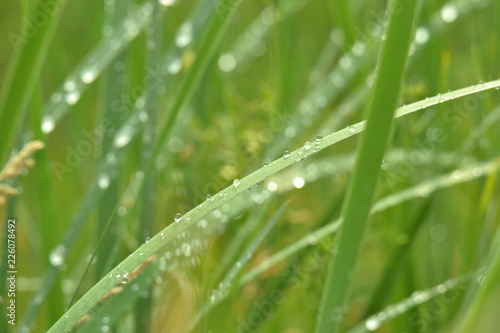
(93, 65)
(418, 297)
(424, 189)
(197, 214)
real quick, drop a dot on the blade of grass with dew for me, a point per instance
(196, 214)
(47, 209)
(418, 297)
(21, 79)
(109, 313)
(424, 189)
(93, 65)
(341, 10)
(388, 78)
(256, 33)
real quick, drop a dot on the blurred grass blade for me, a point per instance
(418, 297)
(91, 67)
(23, 73)
(423, 189)
(359, 197)
(231, 279)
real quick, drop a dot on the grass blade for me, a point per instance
(389, 75)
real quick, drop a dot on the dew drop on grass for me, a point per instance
(69, 85)
(272, 186)
(178, 217)
(56, 256)
(227, 62)
(449, 13)
(122, 139)
(236, 182)
(103, 181)
(307, 145)
(352, 129)
(298, 182)
(105, 328)
(48, 124)
(185, 35)
(286, 154)
(72, 97)
(372, 324)
(202, 224)
(175, 66)
(167, 3)
(88, 76)
(422, 36)
(121, 211)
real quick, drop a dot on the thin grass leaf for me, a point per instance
(389, 74)
(23, 71)
(418, 297)
(423, 189)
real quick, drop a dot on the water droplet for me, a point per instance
(352, 129)
(175, 66)
(69, 85)
(298, 182)
(272, 186)
(236, 182)
(449, 13)
(422, 36)
(185, 35)
(147, 239)
(121, 211)
(122, 139)
(227, 62)
(88, 76)
(48, 124)
(143, 116)
(167, 3)
(103, 181)
(56, 256)
(372, 324)
(286, 154)
(202, 224)
(111, 158)
(178, 217)
(307, 145)
(72, 97)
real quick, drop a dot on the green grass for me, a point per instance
(205, 152)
